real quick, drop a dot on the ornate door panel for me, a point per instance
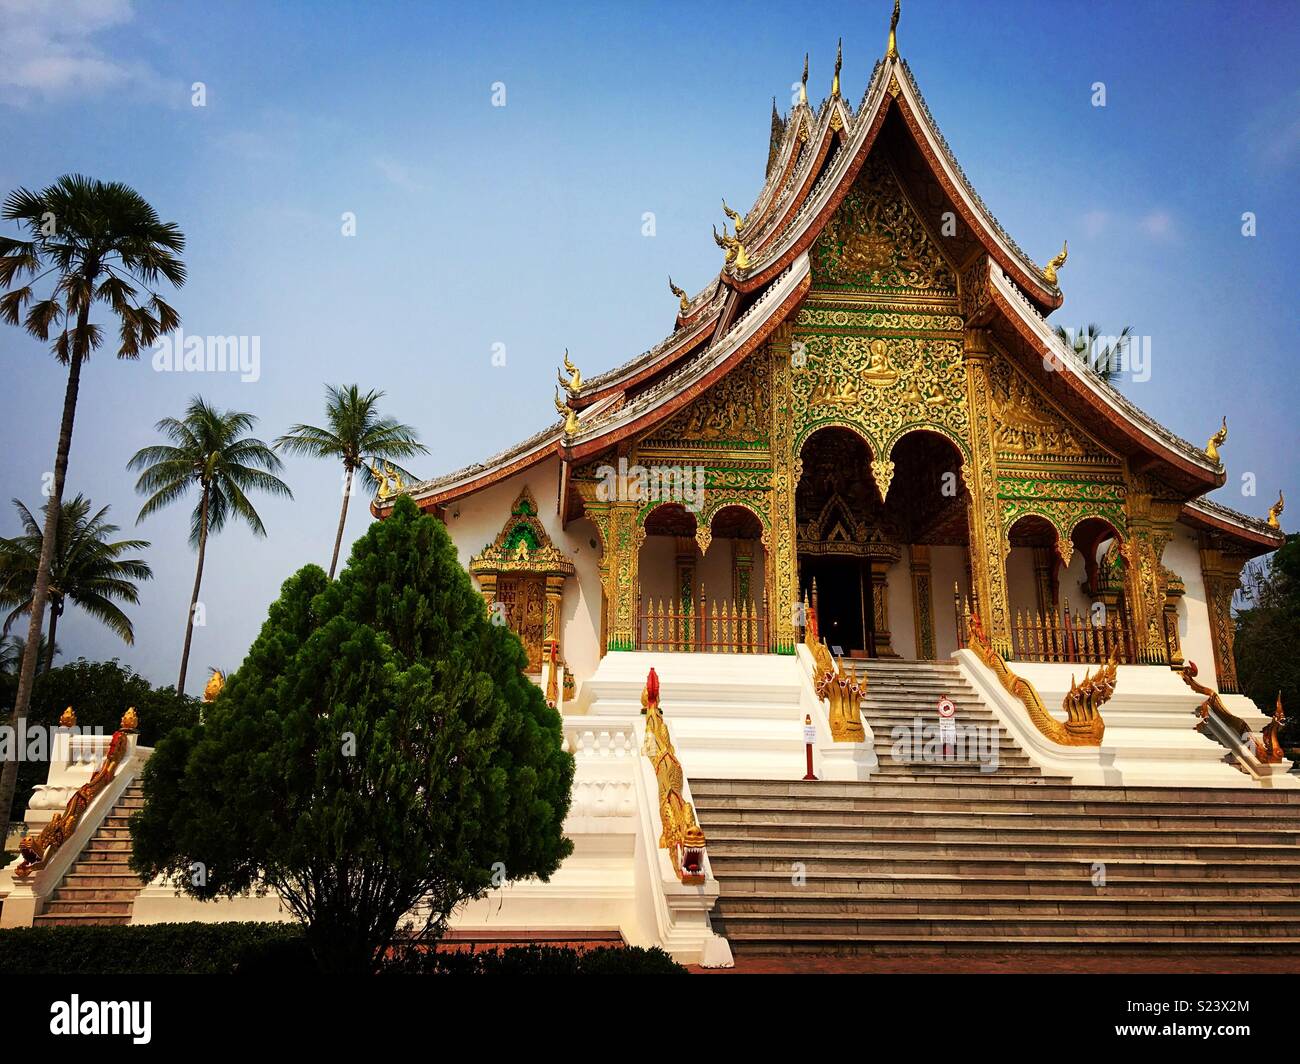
(524, 597)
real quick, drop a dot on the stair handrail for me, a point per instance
(1082, 704)
(682, 835)
(832, 684)
(1265, 750)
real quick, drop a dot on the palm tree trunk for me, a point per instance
(56, 609)
(40, 593)
(343, 516)
(194, 598)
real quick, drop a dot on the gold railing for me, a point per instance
(36, 850)
(1059, 636)
(725, 627)
(682, 836)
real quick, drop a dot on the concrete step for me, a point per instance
(848, 926)
(808, 903)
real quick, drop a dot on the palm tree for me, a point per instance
(97, 242)
(210, 450)
(89, 569)
(11, 653)
(357, 436)
(1104, 361)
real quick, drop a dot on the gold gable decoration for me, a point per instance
(875, 241)
(735, 410)
(522, 546)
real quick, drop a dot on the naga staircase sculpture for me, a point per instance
(682, 836)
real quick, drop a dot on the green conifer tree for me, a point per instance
(379, 754)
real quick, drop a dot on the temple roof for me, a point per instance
(814, 159)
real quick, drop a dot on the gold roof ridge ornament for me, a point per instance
(1216, 441)
(839, 62)
(1056, 262)
(735, 216)
(573, 385)
(68, 718)
(891, 52)
(803, 85)
(734, 253)
(1274, 512)
(384, 489)
(570, 415)
(680, 293)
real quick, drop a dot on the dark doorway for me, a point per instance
(842, 587)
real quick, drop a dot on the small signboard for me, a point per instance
(838, 651)
(810, 733)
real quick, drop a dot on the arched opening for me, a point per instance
(1033, 569)
(668, 567)
(872, 563)
(732, 577)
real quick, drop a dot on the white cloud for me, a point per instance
(399, 174)
(1095, 222)
(1158, 224)
(49, 51)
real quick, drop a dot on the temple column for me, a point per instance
(684, 590)
(988, 541)
(487, 585)
(1150, 527)
(922, 601)
(554, 598)
(782, 560)
(1222, 576)
(1046, 586)
(880, 607)
(1174, 591)
(625, 538)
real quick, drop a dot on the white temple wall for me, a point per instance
(474, 521)
(902, 624)
(947, 567)
(1183, 556)
(1021, 594)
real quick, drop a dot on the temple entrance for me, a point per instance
(874, 565)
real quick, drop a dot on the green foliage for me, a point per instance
(149, 949)
(1268, 633)
(100, 692)
(378, 747)
(279, 950)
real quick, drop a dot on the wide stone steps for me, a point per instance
(100, 888)
(940, 856)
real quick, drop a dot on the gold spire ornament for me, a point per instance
(1275, 511)
(803, 85)
(384, 488)
(892, 51)
(1216, 441)
(398, 483)
(216, 682)
(680, 293)
(1057, 261)
(68, 719)
(130, 719)
(839, 62)
(570, 415)
(573, 385)
(735, 216)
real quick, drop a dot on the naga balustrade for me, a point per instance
(711, 626)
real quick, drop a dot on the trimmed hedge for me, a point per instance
(276, 949)
(144, 949)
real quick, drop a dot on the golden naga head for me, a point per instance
(573, 383)
(398, 483)
(570, 415)
(130, 719)
(681, 295)
(68, 719)
(384, 489)
(1274, 512)
(736, 218)
(1216, 441)
(734, 251)
(1057, 261)
(216, 682)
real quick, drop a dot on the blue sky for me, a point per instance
(522, 225)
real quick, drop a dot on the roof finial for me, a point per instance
(1216, 441)
(839, 61)
(680, 293)
(1057, 261)
(892, 51)
(570, 415)
(735, 216)
(573, 385)
(1275, 511)
(803, 85)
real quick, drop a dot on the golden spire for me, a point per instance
(892, 51)
(803, 85)
(574, 383)
(734, 216)
(570, 415)
(130, 719)
(839, 62)
(734, 250)
(68, 719)
(1216, 441)
(1057, 261)
(1275, 511)
(680, 293)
